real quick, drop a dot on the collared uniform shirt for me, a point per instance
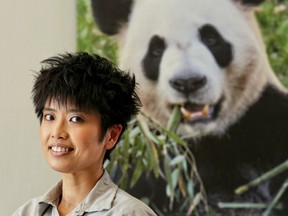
(105, 199)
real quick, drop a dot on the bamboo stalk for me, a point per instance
(245, 205)
(276, 198)
(270, 174)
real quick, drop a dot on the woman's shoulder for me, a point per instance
(29, 208)
(132, 204)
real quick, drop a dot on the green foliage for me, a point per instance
(89, 38)
(147, 145)
(273, 19)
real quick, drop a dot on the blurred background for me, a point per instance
(33, 30)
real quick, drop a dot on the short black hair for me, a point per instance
(89, 82)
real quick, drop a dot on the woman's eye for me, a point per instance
(48, 117)
(76, 119)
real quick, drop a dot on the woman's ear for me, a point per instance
(113, 134)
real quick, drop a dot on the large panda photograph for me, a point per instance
(206, 61)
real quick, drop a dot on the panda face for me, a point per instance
(201, 55)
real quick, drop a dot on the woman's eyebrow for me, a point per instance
(48, 109)
(78, 111)
(71, 110)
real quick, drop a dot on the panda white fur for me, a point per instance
(207, 56)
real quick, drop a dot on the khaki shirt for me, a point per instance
(105, 199)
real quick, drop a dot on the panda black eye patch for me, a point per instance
(218, 46)
(156, 47)
(153, 57)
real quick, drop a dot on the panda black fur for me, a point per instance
(201, 53)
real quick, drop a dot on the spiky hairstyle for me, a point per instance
(89, 82)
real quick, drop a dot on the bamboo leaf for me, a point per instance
(195, 202)
(174, 120)
(190, 188)
(167, 172)
(174, 178)
(137, 173)
(177, 160)
(175, 138)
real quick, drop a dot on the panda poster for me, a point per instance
(212, 137)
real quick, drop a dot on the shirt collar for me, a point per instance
(100, 198)
(51, 197)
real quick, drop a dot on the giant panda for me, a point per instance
(208, 57)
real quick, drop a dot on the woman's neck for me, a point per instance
(75, 188)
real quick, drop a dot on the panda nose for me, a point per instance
(188, 85)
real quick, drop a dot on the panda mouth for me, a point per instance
(193, 112)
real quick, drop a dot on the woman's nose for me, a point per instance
(59, 130)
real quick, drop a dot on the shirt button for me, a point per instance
(79, 212)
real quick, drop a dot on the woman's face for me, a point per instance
(70, 138)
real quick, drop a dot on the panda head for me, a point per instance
(205, 56)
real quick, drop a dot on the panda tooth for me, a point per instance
(186, 114)
(206, 110)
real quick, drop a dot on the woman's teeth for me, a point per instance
(60, 149)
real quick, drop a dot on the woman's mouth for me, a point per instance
(61, 149)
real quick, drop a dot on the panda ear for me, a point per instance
(251, 2)
(109, 15)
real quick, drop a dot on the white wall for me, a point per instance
(31, 30)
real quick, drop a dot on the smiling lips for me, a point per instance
(60, 149)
